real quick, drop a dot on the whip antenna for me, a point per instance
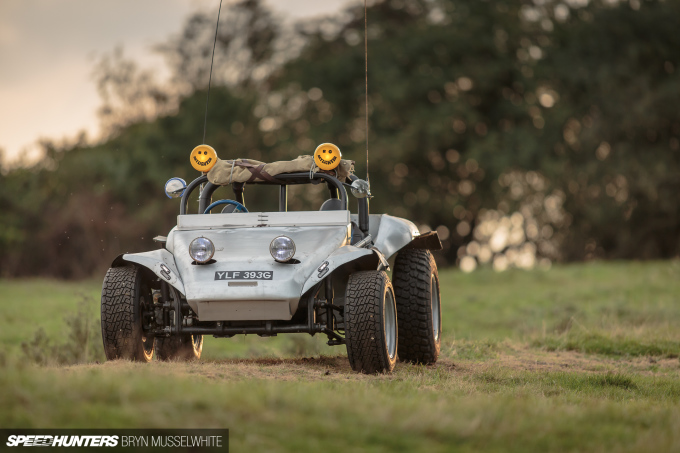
(366, 79)
(207, 97)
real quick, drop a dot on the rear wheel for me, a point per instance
(371, 322)
(125, 299)
(416, 286)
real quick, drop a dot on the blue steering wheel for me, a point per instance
(239, 206)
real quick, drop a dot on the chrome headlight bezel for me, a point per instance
(275, 242)
(209, 246)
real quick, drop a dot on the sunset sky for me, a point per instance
(47, 50)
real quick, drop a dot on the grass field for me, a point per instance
(577, 358)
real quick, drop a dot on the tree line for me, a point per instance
(555, 123)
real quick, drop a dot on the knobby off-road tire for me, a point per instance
(184, 347)
(416, 286)
(123, 297)
(371, 322)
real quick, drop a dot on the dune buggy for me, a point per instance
(267, 273)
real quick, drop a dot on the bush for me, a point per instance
(80, 342)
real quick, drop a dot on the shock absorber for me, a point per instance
(328, 284)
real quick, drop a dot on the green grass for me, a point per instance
(610, 344)
(432, 409)
(517, 304)
(578, 358)
(26, 305)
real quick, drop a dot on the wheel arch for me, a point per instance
(341, 263)
(158, 262)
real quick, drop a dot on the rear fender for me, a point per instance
(160, 262)
(391, 234)
(427, 241)
(349, 258)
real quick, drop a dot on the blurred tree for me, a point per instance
(129, 95)
(250, 42)
(614, 134)
(447, 112)
(555, 122)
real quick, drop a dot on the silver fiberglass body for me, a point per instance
(322, 241)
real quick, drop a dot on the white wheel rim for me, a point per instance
(390, 325)
(434, 301)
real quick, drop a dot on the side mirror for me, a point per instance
(361, 189)
(174, 188)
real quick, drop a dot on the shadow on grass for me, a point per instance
(338, 364)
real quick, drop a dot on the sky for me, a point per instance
(48, 49)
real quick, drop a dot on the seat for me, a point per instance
(332, 204)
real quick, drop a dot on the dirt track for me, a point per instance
(337, 367)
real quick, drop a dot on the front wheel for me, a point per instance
(125, 298)
(371, 322)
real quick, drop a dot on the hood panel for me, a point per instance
(246, 249)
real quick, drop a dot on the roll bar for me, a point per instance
(283, 179)
(190, 188)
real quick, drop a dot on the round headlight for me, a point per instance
(282, 249)
(201, 250)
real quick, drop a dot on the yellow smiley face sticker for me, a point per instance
(327, 156)
(203, 158)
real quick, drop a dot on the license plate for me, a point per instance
(244, 275)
